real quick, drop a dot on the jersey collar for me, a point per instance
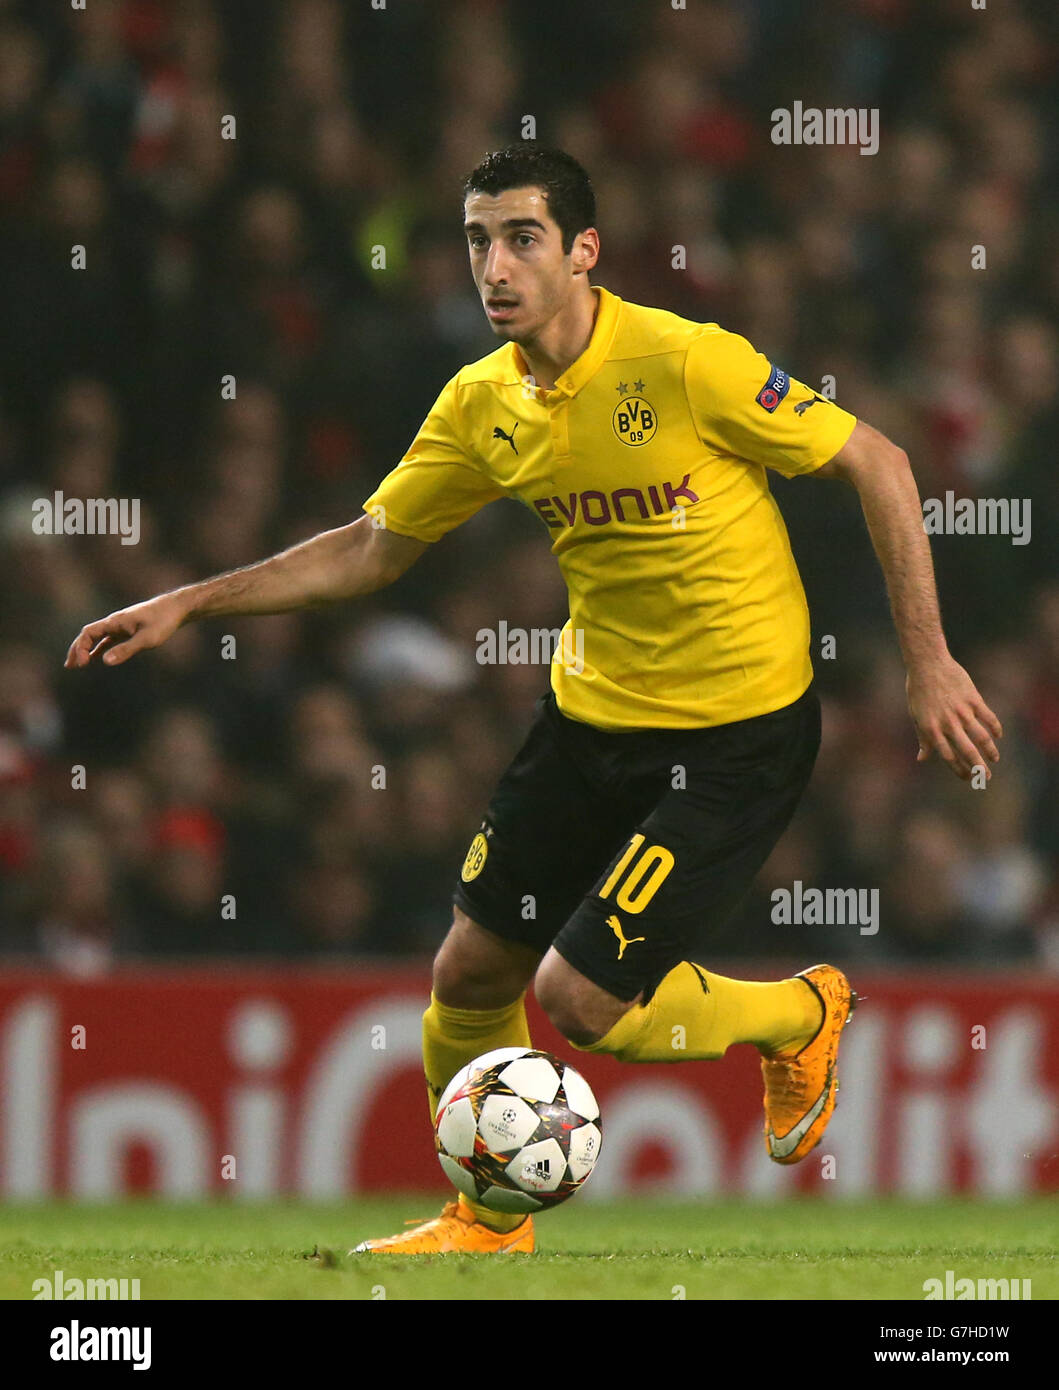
(588, 364)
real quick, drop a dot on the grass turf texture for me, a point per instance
(638, 1249)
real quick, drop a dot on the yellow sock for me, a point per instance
(454, 1037)
(696, 1015)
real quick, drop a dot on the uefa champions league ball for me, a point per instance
(518, 1130)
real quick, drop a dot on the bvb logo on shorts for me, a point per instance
(634, 421)
(476, 857)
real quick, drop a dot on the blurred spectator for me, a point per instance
(81, 924)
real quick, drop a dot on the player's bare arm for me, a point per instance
(949, 714)
(335, 565)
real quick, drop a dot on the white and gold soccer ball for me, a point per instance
(518, 1130)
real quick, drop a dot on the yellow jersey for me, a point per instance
(646, 463)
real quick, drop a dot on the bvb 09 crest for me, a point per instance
(476, 857)
(634, 420)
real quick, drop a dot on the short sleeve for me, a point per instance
(438, 484)
(743, 404)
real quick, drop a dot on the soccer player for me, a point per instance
(682, 726)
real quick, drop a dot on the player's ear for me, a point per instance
(585, 251)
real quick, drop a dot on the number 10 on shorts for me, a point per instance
(644, 873)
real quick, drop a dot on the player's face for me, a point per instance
(517, 260)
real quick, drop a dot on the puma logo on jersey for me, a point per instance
(623, 940)
(803, 406)
(498, 433)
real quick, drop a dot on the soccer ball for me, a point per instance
(518, 1130)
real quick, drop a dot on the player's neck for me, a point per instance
(562, 340)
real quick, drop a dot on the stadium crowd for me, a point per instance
(325, 771)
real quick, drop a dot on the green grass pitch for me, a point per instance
(637, 1249)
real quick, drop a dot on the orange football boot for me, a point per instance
(800, 1087)
(455, 1231)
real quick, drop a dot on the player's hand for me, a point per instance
(951, 718)
(128, 631)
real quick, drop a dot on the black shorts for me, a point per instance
(623, 850)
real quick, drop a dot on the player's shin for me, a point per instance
(454, 1037)
(695, 1015)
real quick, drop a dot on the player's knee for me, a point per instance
(570, 1021)
(474, 970)
(450, 977)
(458, 974)
(572, 1016)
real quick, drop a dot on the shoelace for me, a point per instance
(448, 1212)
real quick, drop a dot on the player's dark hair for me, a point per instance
(571, 201)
